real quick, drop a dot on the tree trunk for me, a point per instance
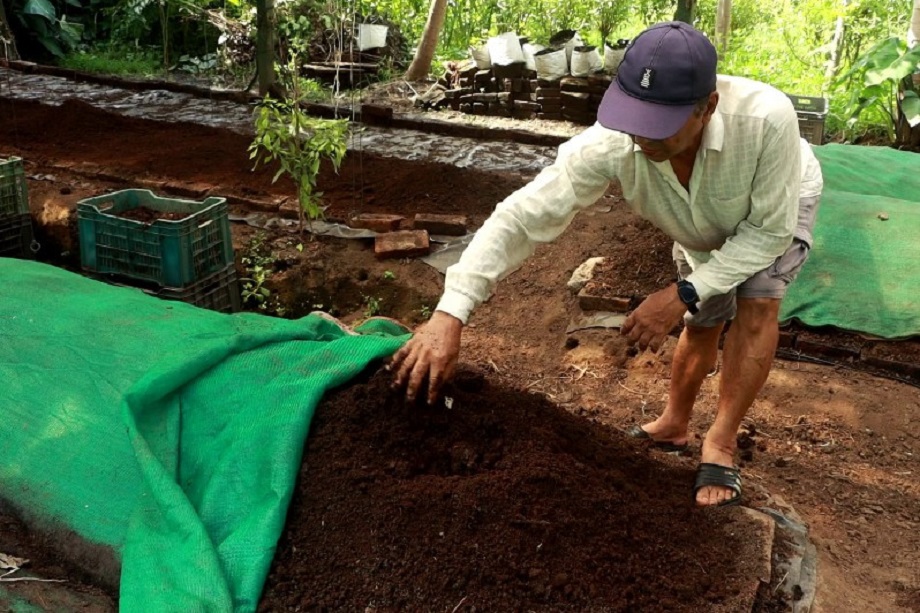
(265, 46)
(7, 42)
(685, 12)
(836, 46)
(164, 29)
(421, 63)
(723, 25)
(908, 137)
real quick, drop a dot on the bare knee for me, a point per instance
(757, 315)
(704, 343)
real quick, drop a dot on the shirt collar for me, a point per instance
(714, 134)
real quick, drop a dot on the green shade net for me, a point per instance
(862, 274)
(171, 434)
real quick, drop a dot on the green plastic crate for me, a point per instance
(16, 236)
(14, 193)
(218, 292)
(169, 253)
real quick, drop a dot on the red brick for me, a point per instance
(188, 190)
(378, 222)
(589, 301)
(573, 84)
(546, 92)
(448, 225)
(156, 186)
(404, 244)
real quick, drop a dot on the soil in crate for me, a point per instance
(503, 502)
(147, 215)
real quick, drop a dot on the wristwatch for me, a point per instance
(687, 294)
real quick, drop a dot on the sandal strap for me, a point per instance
(716, 474)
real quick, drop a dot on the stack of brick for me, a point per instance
(549, 97)
(513, 91)
(502, 91)
(597, 87)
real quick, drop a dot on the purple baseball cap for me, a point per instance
(665, 71)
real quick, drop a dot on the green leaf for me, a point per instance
(42, 8)
(51, 45)
(71, 33)
(896, 70)
(910, 106)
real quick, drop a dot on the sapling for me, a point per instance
(299, 143)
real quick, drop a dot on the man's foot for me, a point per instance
(712, 495)
(661, 433)
(638, 433)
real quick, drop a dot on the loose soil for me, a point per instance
(502, 502)
(839, 445)
(74, 592)
(148, 215)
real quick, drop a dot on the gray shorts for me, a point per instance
(770, 282)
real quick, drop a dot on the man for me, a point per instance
(717, 164)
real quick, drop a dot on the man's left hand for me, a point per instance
(651, 323)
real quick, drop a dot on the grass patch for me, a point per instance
(114, 61)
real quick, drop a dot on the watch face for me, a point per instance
(687, 293)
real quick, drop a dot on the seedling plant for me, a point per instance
(299, 143)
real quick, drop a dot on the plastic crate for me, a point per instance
(218, 292)
(14, 193)
(168, 253)
(16, 236)
(811, 113)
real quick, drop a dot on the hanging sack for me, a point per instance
(585, 61)
(551, 64)
(371, 36)
(505, 49)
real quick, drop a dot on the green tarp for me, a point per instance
(169, 433)
(862, 274)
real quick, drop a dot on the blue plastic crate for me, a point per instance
(169, 253)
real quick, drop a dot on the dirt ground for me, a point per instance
(838, 445)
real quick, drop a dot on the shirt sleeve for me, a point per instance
(767, 231)
(537, 213)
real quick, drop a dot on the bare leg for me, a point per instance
(694, 358)
(746, 360)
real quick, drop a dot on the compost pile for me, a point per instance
(502, 502)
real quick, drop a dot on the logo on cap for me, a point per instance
(647, 75)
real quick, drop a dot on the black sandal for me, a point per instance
(722, 476)
(638, 433)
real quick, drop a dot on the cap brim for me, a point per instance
(621, 112)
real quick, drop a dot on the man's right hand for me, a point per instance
(431, 353)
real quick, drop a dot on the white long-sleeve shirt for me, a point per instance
(740, 213)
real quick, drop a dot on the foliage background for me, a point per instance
(786, 43)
